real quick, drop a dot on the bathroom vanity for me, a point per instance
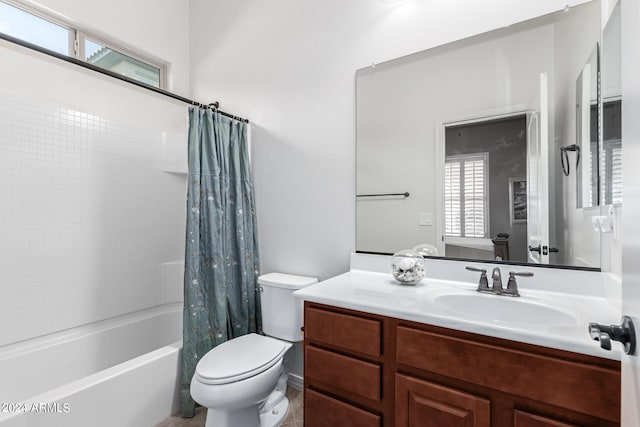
(382, 354)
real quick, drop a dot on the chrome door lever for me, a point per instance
(624, 333)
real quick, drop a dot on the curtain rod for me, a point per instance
(405, 194)
(214, 105)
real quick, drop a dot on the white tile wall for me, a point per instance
(91, 212)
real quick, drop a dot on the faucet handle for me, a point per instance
(483, 283)
(512, 285)
(520, 273)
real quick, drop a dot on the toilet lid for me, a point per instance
(240, 358)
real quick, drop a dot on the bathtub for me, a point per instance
(115, 373)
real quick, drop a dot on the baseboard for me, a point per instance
(296, 381)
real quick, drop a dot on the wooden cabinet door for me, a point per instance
(525, 419)
(425, 404)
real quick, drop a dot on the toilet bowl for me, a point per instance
(243, 381)
(233, 379)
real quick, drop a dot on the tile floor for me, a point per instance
(294, 419)
(296, 409)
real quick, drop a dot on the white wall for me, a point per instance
(611, 87)
(630, 17)
(92, 223)
(289, 67)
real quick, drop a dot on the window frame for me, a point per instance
(611, 189)
(78, 36)
(82, 36)
(461, 158)
(45, 17)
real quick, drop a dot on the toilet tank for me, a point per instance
(281, 311)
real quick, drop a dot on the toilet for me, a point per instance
(243, 381)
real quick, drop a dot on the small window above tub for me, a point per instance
(130, 65)
(42, 30)
(34, 29)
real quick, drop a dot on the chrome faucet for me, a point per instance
(512, 285)
(496, 287)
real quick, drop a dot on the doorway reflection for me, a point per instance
(485, 207)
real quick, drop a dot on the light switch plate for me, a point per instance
(425, 219)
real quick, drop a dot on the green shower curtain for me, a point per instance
(221, 254)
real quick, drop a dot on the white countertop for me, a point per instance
(379, 293)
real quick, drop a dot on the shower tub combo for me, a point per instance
(118, 372)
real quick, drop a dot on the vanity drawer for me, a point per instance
(331, 412)
(343, 331)
(571, 384)
(347, 374)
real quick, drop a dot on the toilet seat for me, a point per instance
(240, 358)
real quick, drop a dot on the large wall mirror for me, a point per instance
(480, 150)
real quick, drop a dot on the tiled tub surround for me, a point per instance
(92, 190)
(87, 214)
(369, 287)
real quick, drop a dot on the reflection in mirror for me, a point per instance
(611, 154)
(482, 158)
(471, 131)
(587, 132)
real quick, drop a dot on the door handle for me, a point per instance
(624, 333)
(544, 250)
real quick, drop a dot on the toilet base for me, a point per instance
(276, 415)
(246, 417)
(249, 417)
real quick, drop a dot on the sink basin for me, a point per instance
(503, 309)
